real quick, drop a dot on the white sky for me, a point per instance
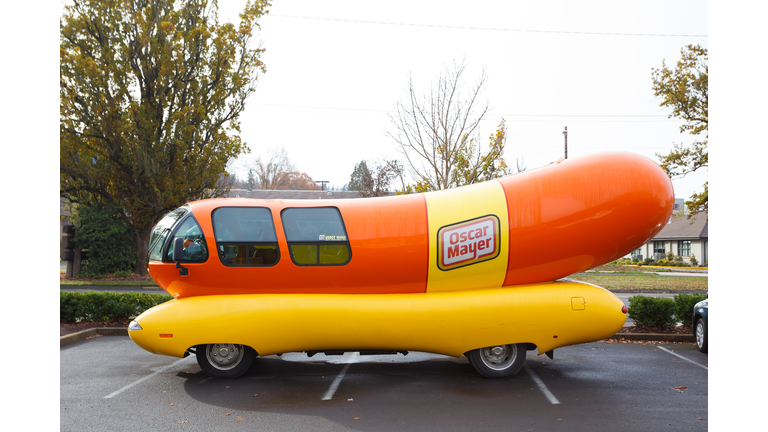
(332, 78)
(360, 70)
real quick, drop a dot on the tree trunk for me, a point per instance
(142, 247)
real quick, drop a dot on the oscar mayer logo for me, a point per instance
(468, 242)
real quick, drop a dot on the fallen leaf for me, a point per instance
(680, 388)
(229, 413)
(239, 418)
(349, 400)
(357, 418)
(255, 395)
(183, 421)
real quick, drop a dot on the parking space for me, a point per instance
(107, 383)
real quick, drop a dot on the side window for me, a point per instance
(245, 236)
(195, 249)
(316, 236)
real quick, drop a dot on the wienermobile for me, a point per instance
(475, 271)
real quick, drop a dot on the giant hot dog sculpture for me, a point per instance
(470, 270)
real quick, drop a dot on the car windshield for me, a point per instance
(161, 230)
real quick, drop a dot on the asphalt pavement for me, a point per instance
(110, 384)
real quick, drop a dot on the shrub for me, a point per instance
(684, 306)
(106, 306)
(662, 262)
(694, 261)
(102, 229)
(652, 311)
(648, 261)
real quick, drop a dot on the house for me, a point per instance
(682, 236)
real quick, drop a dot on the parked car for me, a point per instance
(700, 324)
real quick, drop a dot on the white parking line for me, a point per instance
(335, 385)
(541, 385)
(678, 355)
(170, 366)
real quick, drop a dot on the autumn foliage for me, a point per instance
(150, 96)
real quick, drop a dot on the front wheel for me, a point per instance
(701, 335)
(501, 361)
(224, 360)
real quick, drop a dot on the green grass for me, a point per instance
(622, 269)
(665, 283)
(107, 282)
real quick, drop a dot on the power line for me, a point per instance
(493, 113)
(488, 28)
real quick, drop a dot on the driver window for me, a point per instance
(195, 249)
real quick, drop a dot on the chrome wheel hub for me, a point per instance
(224, 356)
(699, 334)
(499, 357)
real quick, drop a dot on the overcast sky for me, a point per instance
(336, 69)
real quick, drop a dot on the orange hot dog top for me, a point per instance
(535, 226)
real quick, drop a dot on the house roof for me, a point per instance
(696, 227)
(292, 194)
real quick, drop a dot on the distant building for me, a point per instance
(293, 194)
(683, 237)
(679, 207)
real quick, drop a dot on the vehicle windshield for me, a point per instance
(161, 230)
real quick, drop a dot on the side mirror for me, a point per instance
(178, 255)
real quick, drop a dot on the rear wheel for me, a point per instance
(701, 335)
(500, 361)
(224, 360)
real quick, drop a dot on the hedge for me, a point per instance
(684, 304)
(105, 305)
(663, 312)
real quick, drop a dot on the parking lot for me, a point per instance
(109, 384)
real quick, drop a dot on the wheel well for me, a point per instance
(193, 349)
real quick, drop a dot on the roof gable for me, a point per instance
(696, 227)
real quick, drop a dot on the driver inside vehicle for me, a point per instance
(195, 249)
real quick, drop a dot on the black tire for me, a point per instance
(224, 360)
(700, 332)
(501, 361)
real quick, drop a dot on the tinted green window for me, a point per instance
(316, 236)
(245, 236)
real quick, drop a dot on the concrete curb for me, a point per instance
(85, 334)
(118, 331)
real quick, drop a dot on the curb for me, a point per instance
(122, 331)
(85, 334)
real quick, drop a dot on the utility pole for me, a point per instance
(565, 134)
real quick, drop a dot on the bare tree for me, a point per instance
(434, 130)
(278, 173)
